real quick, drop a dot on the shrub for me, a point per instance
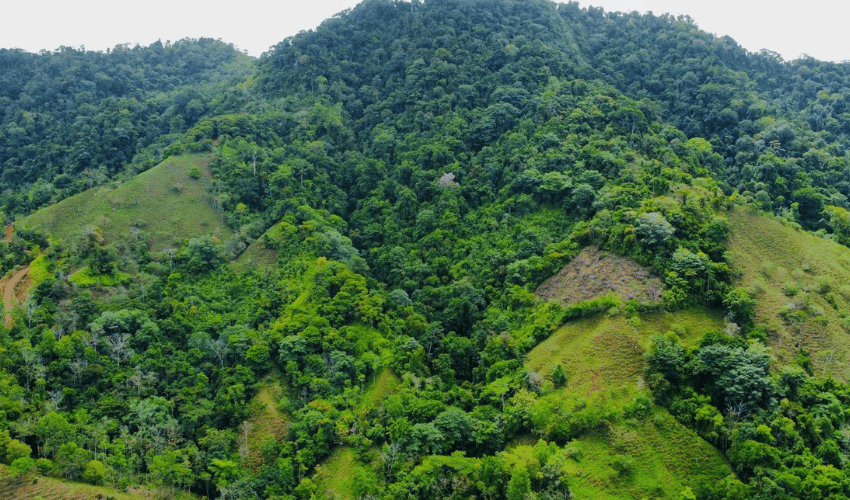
(559, 375)
(44, 466)
(21, 466)
(623, 464)
(95, 472)
(790, 288)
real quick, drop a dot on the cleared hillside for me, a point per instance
(593, 273)
(606, 351)
(168, 203)
(641, 455)
(31, 487)
(800, 285)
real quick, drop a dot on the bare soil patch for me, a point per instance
(8, 232)
(14, 289)
(594, 273)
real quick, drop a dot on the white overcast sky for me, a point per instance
(814, 27)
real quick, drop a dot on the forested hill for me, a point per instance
(73, 118)
(357, 312)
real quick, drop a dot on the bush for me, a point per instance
(16, 449)
(21, 466)
(44, 466)
(95, 472)
(623, 464)
(590, 307)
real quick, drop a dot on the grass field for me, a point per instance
(801, 284)
(166, 203)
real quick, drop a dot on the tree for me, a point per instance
(809, 207)
(52, 430)
(519, 487)
(202, 254)
(741, 308)
(456, 427)
(653, 229)
(119, 347)
(364, 484)
(95, 472)
(171, 470)
(559, 375)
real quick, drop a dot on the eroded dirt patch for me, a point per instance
(594, 273)
(14, 290)
(8, 232)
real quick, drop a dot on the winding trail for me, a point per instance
(7, 287)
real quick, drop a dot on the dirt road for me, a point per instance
(7, 288)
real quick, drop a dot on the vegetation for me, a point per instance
(319, 273)
(162, 206)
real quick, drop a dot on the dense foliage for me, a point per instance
(417, 169)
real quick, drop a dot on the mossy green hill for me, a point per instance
(168, 203)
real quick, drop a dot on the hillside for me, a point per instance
(799, 283)
(28, 487)
(166, 204)
(445, 249)
(72, 117)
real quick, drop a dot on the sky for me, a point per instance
(813, 27)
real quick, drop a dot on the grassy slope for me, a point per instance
(384, 385)
(603, 357)
(788, 268)
(257, 255)
(164, 202)
(605, 352)
(665, 457)
(333, 475)
(30, 487)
